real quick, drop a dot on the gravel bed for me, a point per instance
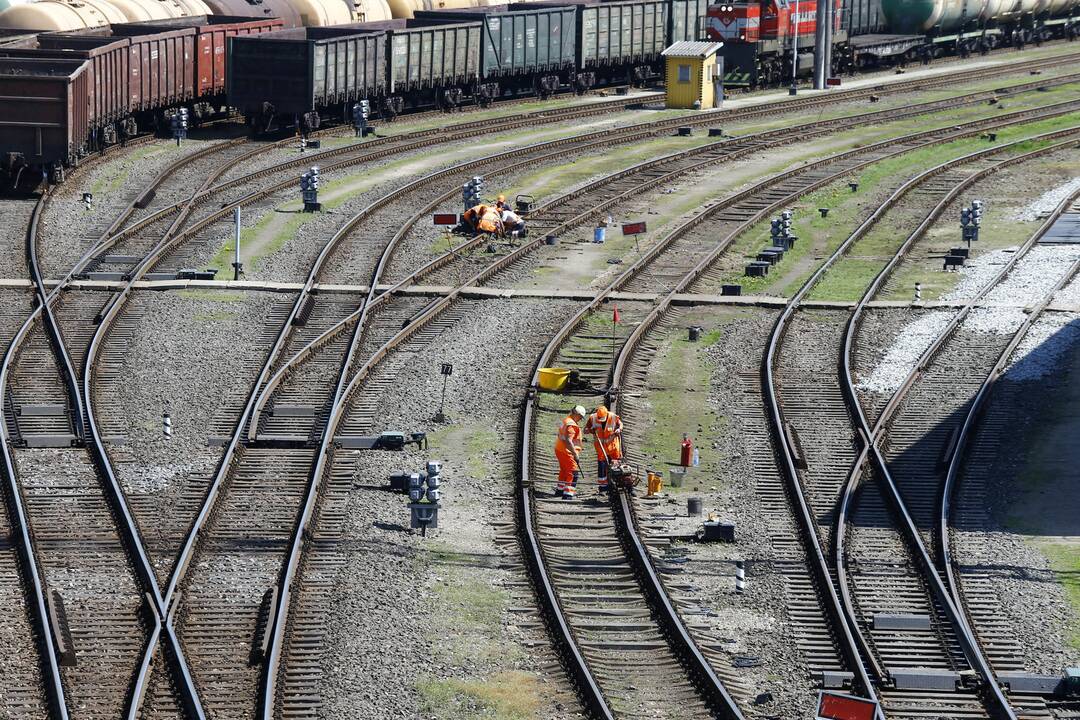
(900, 355)
(1046, 202)
(1029, 405)
(16, 213)
(754, 624)
(187, 354)
(424, 603)
(1034, 275)
(70, 228)
(1043, 348)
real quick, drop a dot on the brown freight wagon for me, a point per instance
(44, 122)
(159, 67)
(212, 35)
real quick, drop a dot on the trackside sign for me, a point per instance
(836, 706)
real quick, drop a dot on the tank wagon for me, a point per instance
(131, 79)
(759, 35)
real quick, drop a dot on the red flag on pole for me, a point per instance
(615, 314)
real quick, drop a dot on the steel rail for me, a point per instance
(972, 417)
(855, 474)
(871, 436)
(853, 638)
(38, 605)
(739, 147)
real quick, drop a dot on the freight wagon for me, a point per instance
(295, 74)
(132, 81)
(531, 48)
(44, 123)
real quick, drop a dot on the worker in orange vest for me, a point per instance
(568, 453)
(483, 219)
(606, 429)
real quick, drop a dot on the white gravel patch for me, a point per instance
(978, 271)
(996, 321)
(1045, 347)
(1070, 294)
(905, 350)
(1034, 275)
(1047, 201)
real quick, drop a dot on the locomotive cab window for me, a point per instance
(684, 73)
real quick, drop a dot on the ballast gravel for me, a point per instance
(1046, 202)
(900, 356)
(1044, 347)
(413, 616)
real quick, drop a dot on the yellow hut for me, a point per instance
(692, 74)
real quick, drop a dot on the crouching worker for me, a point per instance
(568, 453)
(512, 223)
(606, 429)
(481, 219)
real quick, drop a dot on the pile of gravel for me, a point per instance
(977, 272)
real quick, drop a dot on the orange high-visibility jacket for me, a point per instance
(606, 433)
(568, 436)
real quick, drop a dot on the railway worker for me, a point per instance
(482, 219)
(501, 203)
(512, 222)
(606, 428)
(568, 453)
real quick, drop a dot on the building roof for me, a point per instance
(692, 49)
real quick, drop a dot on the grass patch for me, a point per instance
(678, 399)
(1065, 561)
(503, 696)
(105, 185)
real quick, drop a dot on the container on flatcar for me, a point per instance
(300, 71)
(212, 35)
(531, 49)
(44, 121)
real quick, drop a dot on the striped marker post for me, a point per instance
(166, 425)
(740, 576)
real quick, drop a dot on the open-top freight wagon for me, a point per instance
(135, 75)
(445, 58)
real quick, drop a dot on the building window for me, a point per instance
(684, 73)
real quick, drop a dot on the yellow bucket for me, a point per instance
(553, 379)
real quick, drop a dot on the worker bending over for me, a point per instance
(512, 222)
(606, 429)
(482, 219)
(568, 453)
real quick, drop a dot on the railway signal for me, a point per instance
(179, 124)
(309, 189)
(470, 191)
(361, 112)
(88, 200)
(424, 502)
(970, 220)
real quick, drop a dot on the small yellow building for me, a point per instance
(691, 74)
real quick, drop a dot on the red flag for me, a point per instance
(615, 314)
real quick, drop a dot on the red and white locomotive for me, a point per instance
(758, 37)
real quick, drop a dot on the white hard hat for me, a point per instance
(579, 410)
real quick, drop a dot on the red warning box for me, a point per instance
(634, 228)
(836, 706)
(446, 218)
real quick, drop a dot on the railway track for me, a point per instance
(942, 407)
(86, 380)
(583, 344)
(824, 457)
